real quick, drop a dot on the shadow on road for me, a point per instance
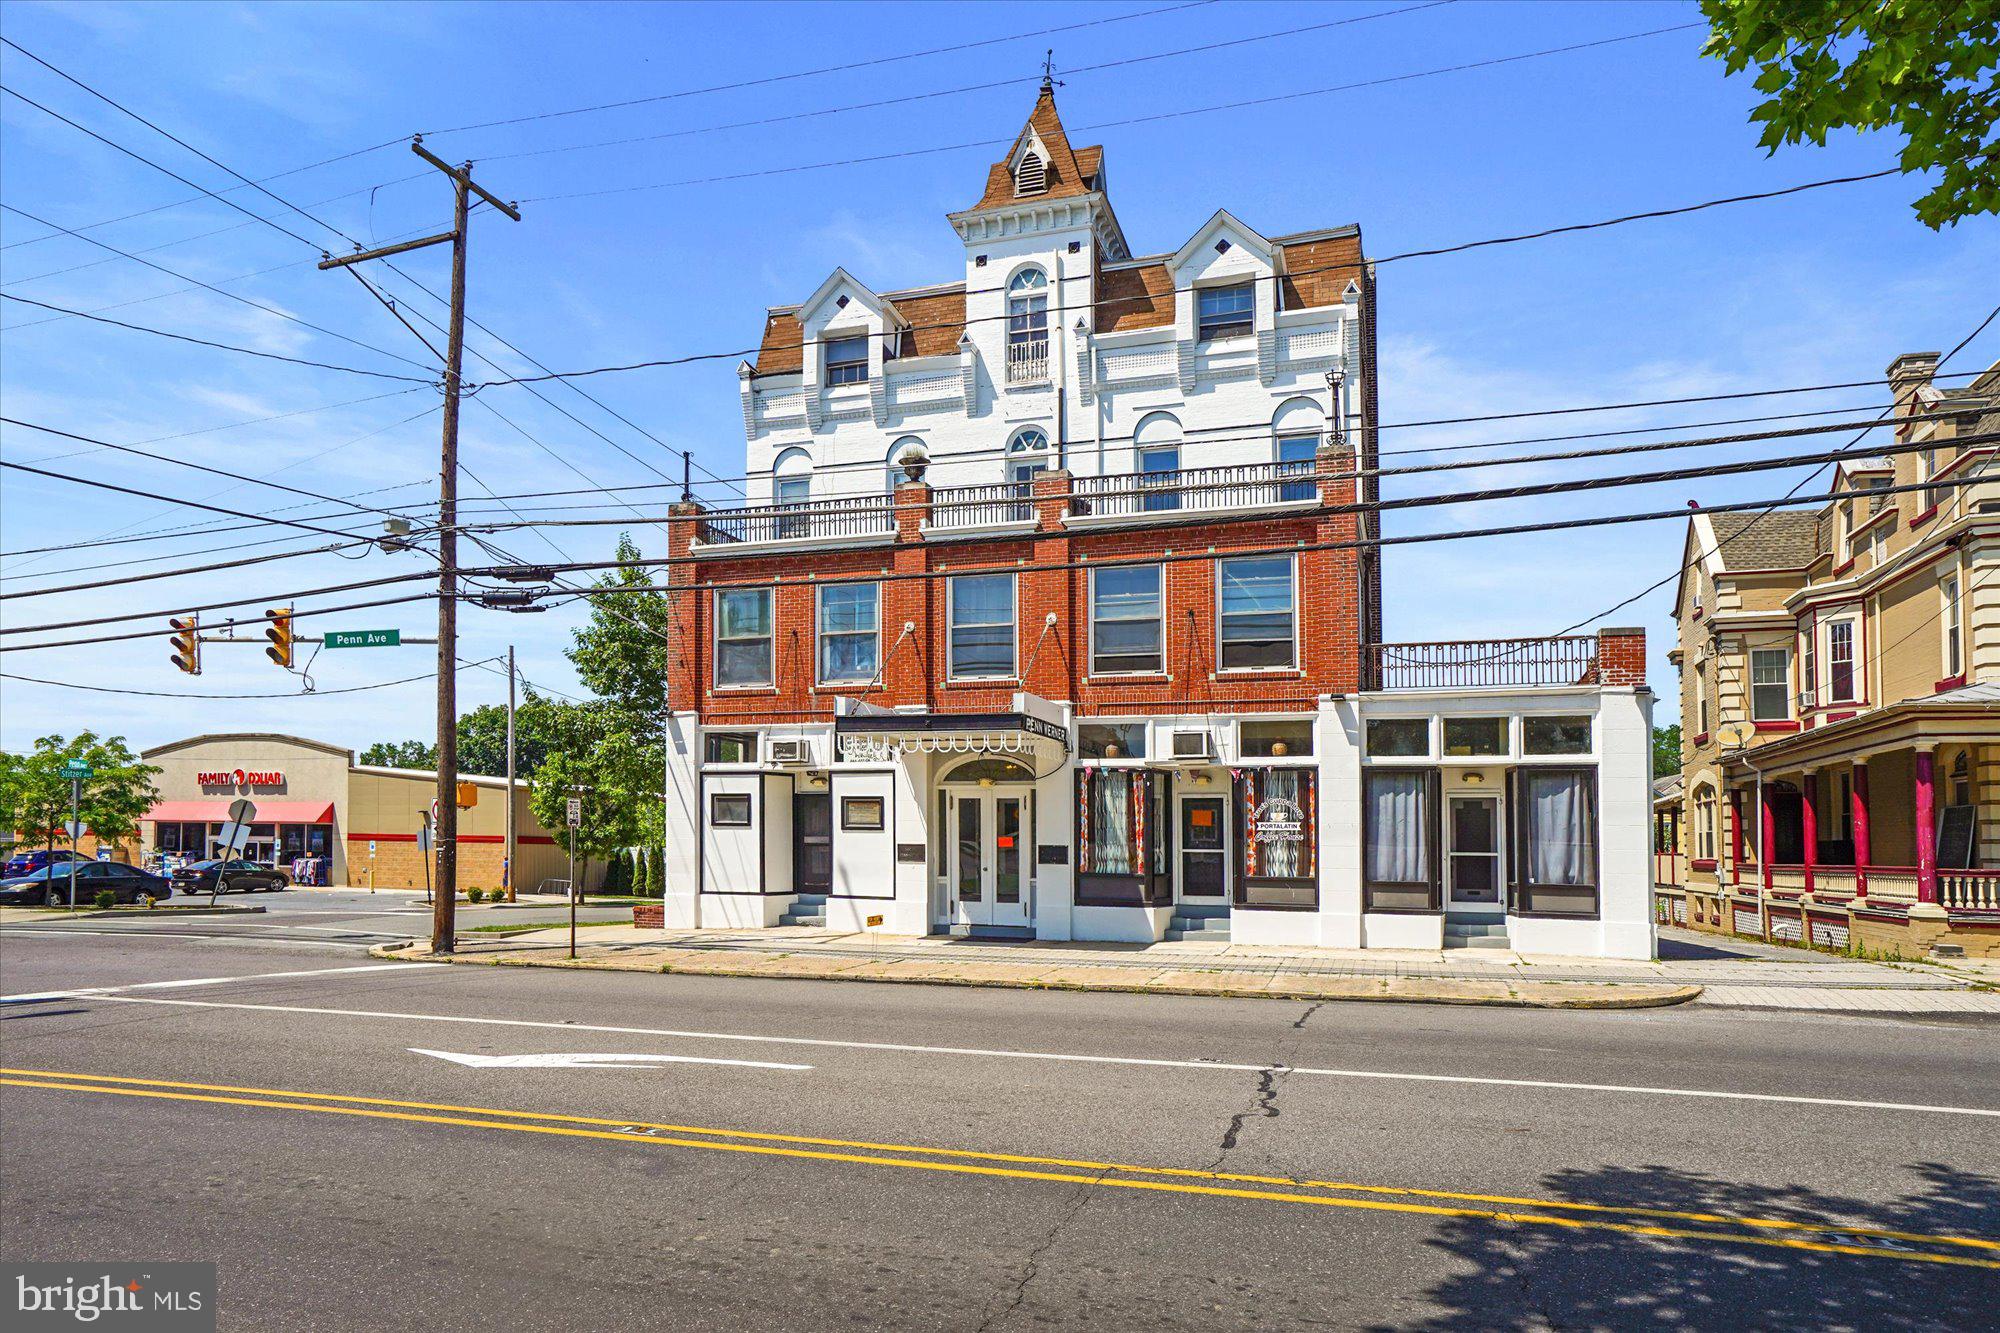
(1532, 1276)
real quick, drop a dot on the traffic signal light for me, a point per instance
(278, 629)
(187, 643)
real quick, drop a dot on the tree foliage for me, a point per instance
(624, 652)
(1666, 750)
(400, 754)
(598, 760)
(34, 795)
(1924, 67)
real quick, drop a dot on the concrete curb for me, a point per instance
(1393, 990)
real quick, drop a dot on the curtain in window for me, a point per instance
(1398, 850)
(1562, 828)
(1109, 840)
(1279, 858)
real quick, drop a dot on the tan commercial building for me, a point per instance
(313, 801)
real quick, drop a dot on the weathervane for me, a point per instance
(1049, 80)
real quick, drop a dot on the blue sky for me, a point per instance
(1827, 286)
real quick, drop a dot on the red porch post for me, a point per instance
(1862, 852)
(1736, 835)
(1927, 886)
(1768, 825)
(1809, 824)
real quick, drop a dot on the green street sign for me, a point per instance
(364, 638)
(77, 769)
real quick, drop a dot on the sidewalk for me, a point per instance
(1714, 971)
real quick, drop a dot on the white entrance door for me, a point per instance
(1472, 825)
(988, 873)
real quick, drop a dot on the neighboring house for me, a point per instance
(1839, 671)
(1052, 612)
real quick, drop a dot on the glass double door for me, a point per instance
(988, 871)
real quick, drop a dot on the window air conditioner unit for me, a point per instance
(791, 750)
(1193, 745)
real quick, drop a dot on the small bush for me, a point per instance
(656, 872)
(106, 899)
(618, 873)
(474, 895)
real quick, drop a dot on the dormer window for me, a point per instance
(1032, 175)
(847, 360)
(1225, 312)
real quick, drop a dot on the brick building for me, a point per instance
(1839, 669)
(1052, 612)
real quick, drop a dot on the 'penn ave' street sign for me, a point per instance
(364, 638)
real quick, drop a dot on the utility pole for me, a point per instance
(513, 893)
(443, 918)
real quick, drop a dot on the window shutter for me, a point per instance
(1031, 177)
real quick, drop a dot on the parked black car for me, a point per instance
(236, 875)
(50, 886)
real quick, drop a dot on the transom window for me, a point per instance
(1555, 735)
(730, 747)
(1770, 684)
(1127, 616)
(1225, 312)
(1399, 737)
(1111, 740)
(981, 636)
(849, 632)
(743, 636)
(1475, 736)
(1255, 613)
(847, 359)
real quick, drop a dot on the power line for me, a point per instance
(128, 579)
(189, 694)
(219, 346)
(843, 68)
(148, 495)
(252, 421)
(220, 291)
(233, 622)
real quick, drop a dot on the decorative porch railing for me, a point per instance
(1969, 890)
(1425, 666)
(981, 506)
(1245, 485)
(1028, 362)
(1788, 879)
(856, 516)
(1896, 882)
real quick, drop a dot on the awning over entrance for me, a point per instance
(217, 812)
(880, 735)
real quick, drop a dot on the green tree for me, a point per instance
(34, 795)
(1666, 750)
(624, 652)
(599, 761)
(1924, 67)
(400, 754)
(482, 736)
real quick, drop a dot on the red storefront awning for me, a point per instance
(216, 812)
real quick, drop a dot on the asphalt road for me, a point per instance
(825, 1155)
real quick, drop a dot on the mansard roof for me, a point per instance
(930, 320)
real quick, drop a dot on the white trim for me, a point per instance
(716, 682)
(1090, 626)
(819, 635)
(1291, 557)
(1014, 620)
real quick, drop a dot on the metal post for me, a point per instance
(572, 892)
(513, 894)
(687, 476)
(75, 799)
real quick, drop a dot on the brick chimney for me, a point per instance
(1621, 657)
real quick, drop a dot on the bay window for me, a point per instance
(1255, 613)
(743, 637)
(1127, 618)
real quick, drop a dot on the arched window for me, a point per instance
(1028, 327)
(1158, 442)
(1961, 779)
(1028, 452)
(791, 484)
(1704, 825)
(1296, 428)
(894, 468)
(1032, 175)
(989, 771)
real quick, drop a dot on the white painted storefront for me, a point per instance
(1396, 820)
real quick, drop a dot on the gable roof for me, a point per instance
(1779, 539)
(932, 319)
(1067, 175)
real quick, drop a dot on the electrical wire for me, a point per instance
(192, 694)
(148, 495)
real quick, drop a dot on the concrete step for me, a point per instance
(809, 900)
(1201, 930)
(797, 918)
(1200, 911)
(1473, 927)
(1474, 934)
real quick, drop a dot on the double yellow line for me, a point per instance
(1825, 1237)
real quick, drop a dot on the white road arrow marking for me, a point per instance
(592, 1060)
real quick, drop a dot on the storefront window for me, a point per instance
(730, 747)
(1555, 735)
(1399, 737)
(1475, 735)
(1111, 740)
(1555, 811)
(1276, 739)
(1109, 841)
(1280, 822)
(1399, 842)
